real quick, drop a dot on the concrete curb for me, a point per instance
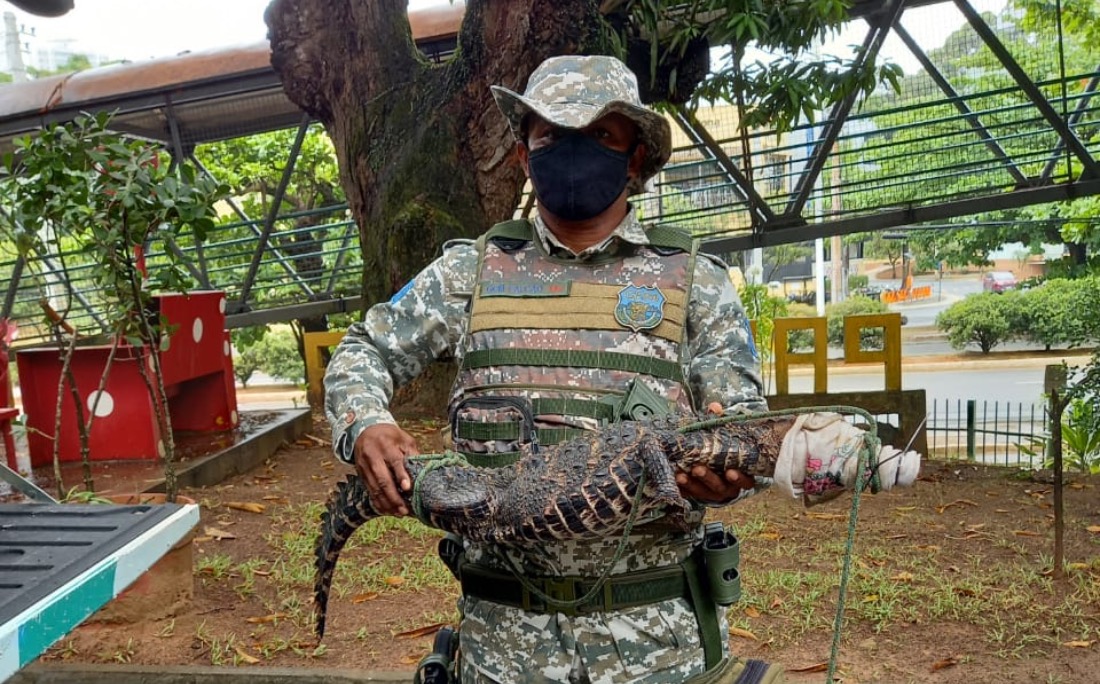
(57, 673)
(245, 455)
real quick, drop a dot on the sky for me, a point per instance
(142, 29)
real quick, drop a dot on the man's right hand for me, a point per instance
(380, 453)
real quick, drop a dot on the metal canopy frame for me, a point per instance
(245, 97)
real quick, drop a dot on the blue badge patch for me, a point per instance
(748, 337)
(640, 308)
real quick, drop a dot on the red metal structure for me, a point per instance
(197, 368)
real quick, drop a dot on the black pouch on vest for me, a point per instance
(496, 418)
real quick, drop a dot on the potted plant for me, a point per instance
(81, 188)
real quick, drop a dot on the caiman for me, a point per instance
(593, 485)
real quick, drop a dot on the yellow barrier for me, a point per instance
(784, 359)
(313, 343)
(889, 355)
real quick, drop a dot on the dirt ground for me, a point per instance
(951, 581)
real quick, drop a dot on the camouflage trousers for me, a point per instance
(654, 644)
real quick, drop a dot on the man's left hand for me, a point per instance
(702, 484)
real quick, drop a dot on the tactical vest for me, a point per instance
(563, 346)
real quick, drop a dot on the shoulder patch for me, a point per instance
(402, 292)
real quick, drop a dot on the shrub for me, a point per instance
(858, 281)
(836, 313)
(274, 352)
(1062, 312)
(986, 319)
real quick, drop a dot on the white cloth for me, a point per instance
(819, 458)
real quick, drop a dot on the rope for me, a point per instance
(870, 447)
(431, 462)
(604, 576)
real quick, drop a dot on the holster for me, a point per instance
(438, 667)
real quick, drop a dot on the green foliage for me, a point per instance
(107, 196)
(800, 340)
(1081, 435)
(764, 309)
(279, 357)
(986, 319)
(871, 338)
(793, 83)
(247, 358)
(1062, 312)
(1080, 438)
(856, 281)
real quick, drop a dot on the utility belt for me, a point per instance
(707, 578)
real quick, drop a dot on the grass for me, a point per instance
(1017, 606)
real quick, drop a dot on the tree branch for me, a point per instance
(318, 48)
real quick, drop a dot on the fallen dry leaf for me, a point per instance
(363, 598)
(1026, 533)
(410, 659)
(245, 656)
(776, 603)
(199, 540)
(816, 667)
(1095, 529)
(752, 612)
(743, 633)
(1078, 644)
(246, 506)
(956, 502)
(903, 577)
(1077, 566)
(215, 533)
(905, 509)
(771, 536)
(262, 573)
(264, 619)
(870, 598)
(826, 516)
(950, 661)
(897, 536)
(394, 580)
(421, 631)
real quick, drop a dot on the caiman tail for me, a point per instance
(346, 510)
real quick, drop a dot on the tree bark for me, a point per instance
(424, 154)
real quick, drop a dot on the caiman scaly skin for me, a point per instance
(586, 487)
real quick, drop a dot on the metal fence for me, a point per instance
(990, 432)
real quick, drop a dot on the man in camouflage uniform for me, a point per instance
(552, 322)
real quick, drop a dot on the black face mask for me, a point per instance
(577, 178)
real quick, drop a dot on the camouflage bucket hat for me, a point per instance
(574, 91)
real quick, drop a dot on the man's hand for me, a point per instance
(704, 485)
(380, 453)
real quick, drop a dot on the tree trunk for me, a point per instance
(424, 154)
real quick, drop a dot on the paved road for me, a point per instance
(1005, 385)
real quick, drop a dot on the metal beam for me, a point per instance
(13, 287)
(294, 312)
(889, 218)
(257, 232)
(743, 185)
(276, 201)
(961, 106)
(1060, 126)
(880, 26)
(1078, 112)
